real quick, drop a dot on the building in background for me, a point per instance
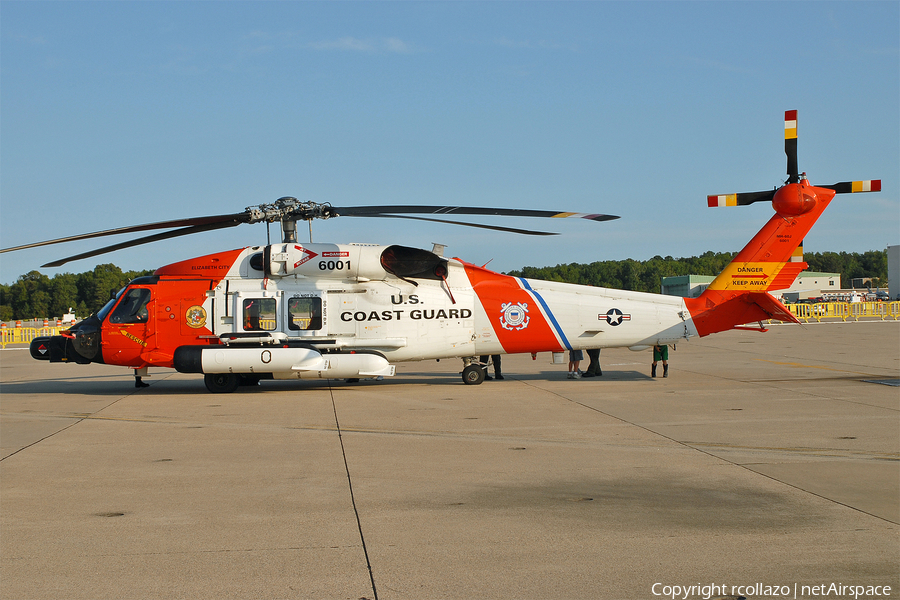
(809, 284)
(686, 286)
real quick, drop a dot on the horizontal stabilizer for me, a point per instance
(775, 309)
(715, 312)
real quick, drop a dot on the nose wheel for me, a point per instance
(221, 383)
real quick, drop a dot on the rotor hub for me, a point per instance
(794, 199)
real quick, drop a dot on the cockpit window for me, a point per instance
(305, 314)
(259, 314)
(132, 308)
(101, 314)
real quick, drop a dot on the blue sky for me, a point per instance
(117, 113)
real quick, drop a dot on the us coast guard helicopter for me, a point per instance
(296, 310)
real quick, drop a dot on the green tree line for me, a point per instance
(851, 265)
(629, 274)
(34, 295)
(645, 276)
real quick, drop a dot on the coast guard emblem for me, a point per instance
(514, 316)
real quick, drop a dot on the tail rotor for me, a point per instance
(794, 176)
(743, 292)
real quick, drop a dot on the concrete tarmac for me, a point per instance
(763, 466)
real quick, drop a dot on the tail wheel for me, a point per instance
(221, 383)
(473, 375)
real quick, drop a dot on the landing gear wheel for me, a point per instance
(221, 383)
(248, 380)
(473, 375)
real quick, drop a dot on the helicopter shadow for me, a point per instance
(103, 385)
(560, 375)
(119, 385)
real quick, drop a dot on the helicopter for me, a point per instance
(293, 310)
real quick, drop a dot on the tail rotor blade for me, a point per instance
(739, 199)
(790, 145)
(853, 187)
(795, 182)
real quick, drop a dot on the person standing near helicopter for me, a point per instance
(575, 358)
(593, 369)
(660, 353)
(495, 360)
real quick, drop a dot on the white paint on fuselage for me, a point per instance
(645, 319)
(430, 320)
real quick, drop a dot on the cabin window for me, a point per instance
(305, 314)
(133, 307)
(259, 314)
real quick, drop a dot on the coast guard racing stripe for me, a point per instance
(548, 314)
(515, 312)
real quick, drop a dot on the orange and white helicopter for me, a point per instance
(346, 311)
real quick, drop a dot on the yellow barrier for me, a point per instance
(24, 335)
(882, 310)
(846, 310)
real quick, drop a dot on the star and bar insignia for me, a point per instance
(614, 317)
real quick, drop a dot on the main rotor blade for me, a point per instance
(371, 211)
(740, 199)
(790, 145)
(145, 240)
(229, 220)
(478, 225)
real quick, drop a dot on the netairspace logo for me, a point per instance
(795, 591)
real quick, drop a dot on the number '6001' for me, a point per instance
(334, 265)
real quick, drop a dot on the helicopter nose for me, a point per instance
(87, 344)
(84, 339)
